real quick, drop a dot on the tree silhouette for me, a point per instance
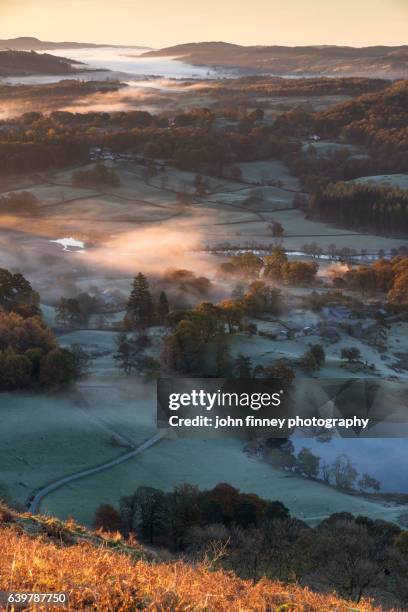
(139, 308)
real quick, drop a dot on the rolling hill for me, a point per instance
(28, 43)
(379, 61)
(24, 63)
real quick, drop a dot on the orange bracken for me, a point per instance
(98, 577)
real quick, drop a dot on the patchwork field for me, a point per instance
(108, 412)
(261, 172)
(143, 224)
(231, 211)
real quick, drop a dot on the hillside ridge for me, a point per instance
(326, 60)
(102, 571)
(28, 43)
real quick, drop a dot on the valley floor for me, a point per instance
(141, 225)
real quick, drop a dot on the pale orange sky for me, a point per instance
(159, 23)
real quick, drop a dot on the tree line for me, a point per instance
(255, 537)
(276, 87)
(276, 267)
(362, 206)
(190, 140)
(388, 276)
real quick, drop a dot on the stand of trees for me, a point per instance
(191, 141)
(383, 276)
(191, 330)
(17, 294)
(280, 269)
(313, 359)
(316, 171)
(142, 311)
(376, 120)
(29, 352)
(65, 90)
(166, 518)
(77, 310)
(276, 267)
(340, 473)
(378, 208)
(275, 87)
(255, 537)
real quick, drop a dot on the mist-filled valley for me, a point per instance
(160, 219)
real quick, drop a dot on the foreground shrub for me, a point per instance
(98, 578)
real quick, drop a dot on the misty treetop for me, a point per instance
(191, 141)
(17, 294)
(275, 267)
(139, 307)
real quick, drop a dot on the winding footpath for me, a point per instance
(35, 501)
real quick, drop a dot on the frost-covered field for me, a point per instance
(46, 436)
(394, 180)
(230, 211)
(141, 224)
(263, 350)
(206, 463)
(325, 148)
(261, 172)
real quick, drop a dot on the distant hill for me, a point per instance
(380, 61)
(28, 43)
(24, 63)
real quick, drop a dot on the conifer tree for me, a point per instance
(242, 366)
(163, 308)
(222, 356)
(126, 354)
(139, 309)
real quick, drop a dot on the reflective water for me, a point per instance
(66, 243)
(385, 459)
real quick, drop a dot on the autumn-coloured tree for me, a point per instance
(274, 264)
(247, 264)
(107, 518)
(299, 273)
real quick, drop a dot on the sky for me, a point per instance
(160, 23)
